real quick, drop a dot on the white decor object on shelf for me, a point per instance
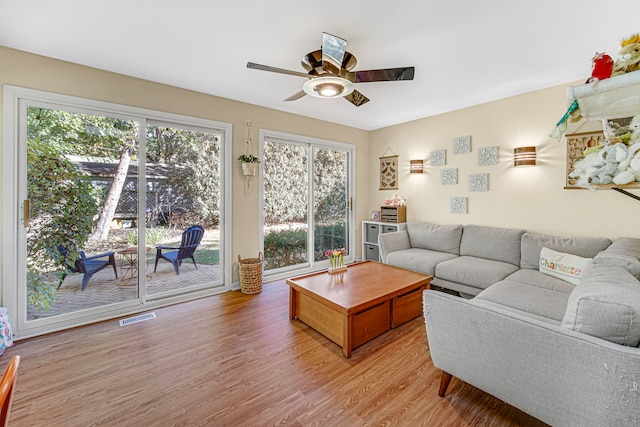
(613, 98)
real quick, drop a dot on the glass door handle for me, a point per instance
(27, 213)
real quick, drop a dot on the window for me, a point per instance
(307, 186)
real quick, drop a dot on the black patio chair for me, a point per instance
(191, 238)
(88, 266)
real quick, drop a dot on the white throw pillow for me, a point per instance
(567, 267)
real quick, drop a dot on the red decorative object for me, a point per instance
(602, 67)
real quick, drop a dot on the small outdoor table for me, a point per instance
(129, 265)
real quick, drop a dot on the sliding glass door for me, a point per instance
(330, 200)
(183, 193)
(307, 187)
(76, 174)
(109, 209)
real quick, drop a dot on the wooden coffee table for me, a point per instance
(354, 307)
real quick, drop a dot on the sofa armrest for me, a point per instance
(558, 375)
(391, 242)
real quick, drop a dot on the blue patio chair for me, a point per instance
(88, 266)
(191, 238)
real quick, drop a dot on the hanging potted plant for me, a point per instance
(249, 161)
(249, 164)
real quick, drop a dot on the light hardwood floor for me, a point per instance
(237, 360)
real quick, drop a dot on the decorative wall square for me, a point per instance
(458, 205)
(488, 156)
(462, 144)
(438, 158)
(449, 176)
(479, 182)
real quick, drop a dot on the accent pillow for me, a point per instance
(563, 266)
(606, 305)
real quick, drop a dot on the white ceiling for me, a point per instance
(466, 52)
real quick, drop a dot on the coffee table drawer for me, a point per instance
(370, 323)
(406, 307)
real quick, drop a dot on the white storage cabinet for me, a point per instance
(370, 231)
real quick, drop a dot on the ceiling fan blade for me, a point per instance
(388, 74)
(333, 50)
(254, 66)
(356, 98)
(295, 96)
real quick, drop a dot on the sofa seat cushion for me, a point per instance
(472, 271)
(442, 238)
(606, 304)
(532, 244)
(535, 278)
(495, 305)
(422, 260)
(499, 244)
(535, 300)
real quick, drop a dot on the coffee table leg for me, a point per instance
(347, 336)
(292, 303)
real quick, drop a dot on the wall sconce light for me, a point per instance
(416, 166)
(524, 156)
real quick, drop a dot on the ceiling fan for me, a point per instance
(330, 76)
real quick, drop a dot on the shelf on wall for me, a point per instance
(613, 98)
(617, 97)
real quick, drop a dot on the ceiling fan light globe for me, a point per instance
(328, 87)
(328, 90)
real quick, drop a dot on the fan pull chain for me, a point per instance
(248, 150)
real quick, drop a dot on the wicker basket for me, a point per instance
(250, 274)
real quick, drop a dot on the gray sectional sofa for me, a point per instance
(563, 349)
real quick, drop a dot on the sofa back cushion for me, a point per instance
(443, 238)
(625, 245)
(606, 304)
(499, 244)
(532, 244)
(623, 253)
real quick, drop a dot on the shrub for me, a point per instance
(289, 247)
(284, 248)
(153, 235)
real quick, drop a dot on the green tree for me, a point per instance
(285, 183)
(193, 162)
(63, 207)
(89, 136)
(330, 185)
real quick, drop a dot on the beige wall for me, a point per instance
(37, 72)
(532, 198)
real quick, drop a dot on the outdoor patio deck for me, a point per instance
(104, 288)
